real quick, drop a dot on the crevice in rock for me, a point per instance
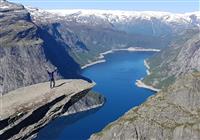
(72, 101)
(33, 118)
(4, 123)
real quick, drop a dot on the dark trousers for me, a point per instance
(52, 83)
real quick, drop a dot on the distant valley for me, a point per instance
(32, 40)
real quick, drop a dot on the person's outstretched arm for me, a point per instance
(48, 71)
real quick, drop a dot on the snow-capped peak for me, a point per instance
(126, 15)
(113, 16)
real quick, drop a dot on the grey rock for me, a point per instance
(32, 107)
(180, 58)
(171, 114)
(27, 51)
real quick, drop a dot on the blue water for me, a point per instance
(115, 79)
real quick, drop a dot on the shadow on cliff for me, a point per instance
(62, 122)
(57, 53)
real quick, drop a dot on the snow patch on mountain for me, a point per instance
(95, 17)
(125, 16)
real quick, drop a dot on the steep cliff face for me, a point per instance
(26, 50)
(182, 57)
(90, 32)
(87, 36)
(171, 114)
(32, 39)
(30, 43)
(32, 107)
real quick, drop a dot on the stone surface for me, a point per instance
(36, 95)
(180, 58)
(26, 51)
(32, 39)
(26, 110)
(172, 114)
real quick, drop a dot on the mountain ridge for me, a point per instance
(121, 14)
(69, 42)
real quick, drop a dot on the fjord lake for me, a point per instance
(115, 79)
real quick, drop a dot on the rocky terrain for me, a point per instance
(182, 57)
(172, 114)
(26, 110)
(26, 51)
(33, 40)
(29, 45)
(69, 40)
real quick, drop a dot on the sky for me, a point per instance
(175, 6)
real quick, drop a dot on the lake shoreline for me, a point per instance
(141, 84)
(112, 78)
(101, 58)
(147, 67)
(138, 83)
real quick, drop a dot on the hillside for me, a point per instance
(33, 40)
(26, 51)
(86, 42)
(95, 31)
(70, 39)
(182, 57)
(171, 114)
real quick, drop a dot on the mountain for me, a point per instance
(173, 112)
(27, 102)
(144, 22)
(101, 30)
(33, 40)
(26, 50)
(170, 114)
(88, 40)
(180, 58)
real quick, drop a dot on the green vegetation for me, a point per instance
(164, 66)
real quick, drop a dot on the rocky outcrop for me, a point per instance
(29, 45)
(182, 57)
(32, 39)
(26, 110)
(172, 114)
(20, 56)
(26, 51)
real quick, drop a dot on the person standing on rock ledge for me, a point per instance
(51, 78)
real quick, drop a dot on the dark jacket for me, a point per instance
(51, 74)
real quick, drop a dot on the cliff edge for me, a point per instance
(26, 110)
